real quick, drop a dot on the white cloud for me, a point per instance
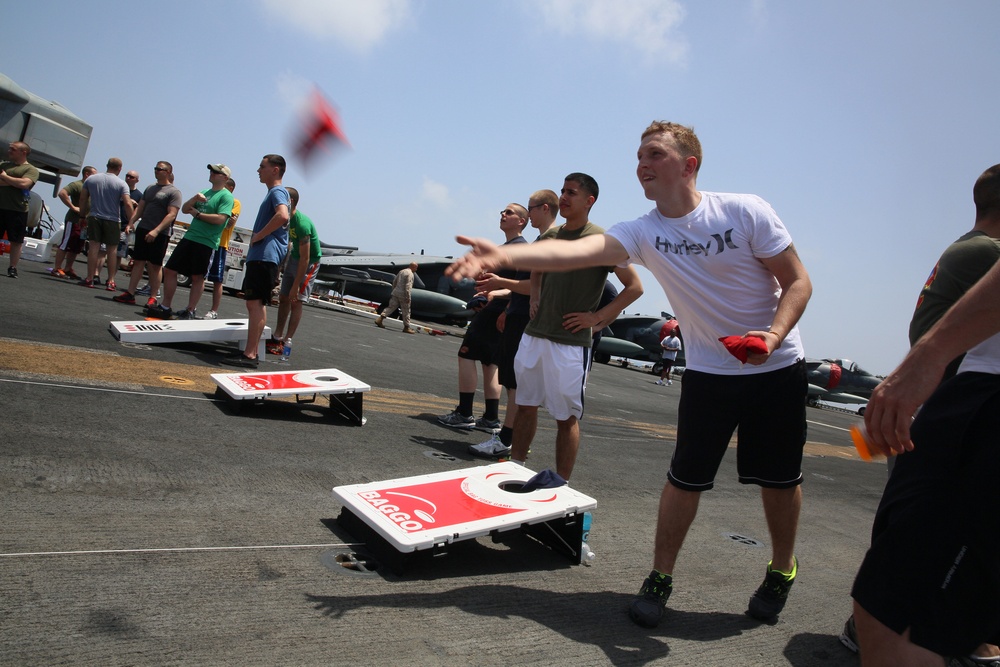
(648, 26)
(293, 90)
(358, 25)
(435, 193)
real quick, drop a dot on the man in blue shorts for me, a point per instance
(217, 272)
(728, 267)
(268, 246)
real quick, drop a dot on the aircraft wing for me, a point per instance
(616, 347)
(822, 394)
(57, 137)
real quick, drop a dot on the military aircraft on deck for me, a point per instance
(637, 337)
(839, 381)
(369, 275)
(57, 137)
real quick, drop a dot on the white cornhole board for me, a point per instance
(428, 512)
(187, 331)
(346, 393)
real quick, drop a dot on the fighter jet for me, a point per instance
(839, 381)
(637, 337)
(368, 275)
(57, 137)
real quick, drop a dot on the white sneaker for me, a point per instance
(670, 382)
(492, 448)
(211, 315)
(659, 382)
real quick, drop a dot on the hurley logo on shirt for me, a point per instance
(684, 248)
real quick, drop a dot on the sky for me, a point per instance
(864, 124)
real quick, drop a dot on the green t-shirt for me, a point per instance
(576, 291)
(73, 190)
(299, 227)
(961, 265)
(219, 201)
(11, 198)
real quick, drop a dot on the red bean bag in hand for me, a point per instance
(740, 347)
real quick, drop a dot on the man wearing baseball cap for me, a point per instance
(210, 211)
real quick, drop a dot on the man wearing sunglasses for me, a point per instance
(209, 210)
(155, 214)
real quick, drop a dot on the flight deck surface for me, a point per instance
(144, 523)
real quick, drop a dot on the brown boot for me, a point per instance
(409, 330)
(378, 323)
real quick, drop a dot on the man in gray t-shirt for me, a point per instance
(100, 199)
(156, 214)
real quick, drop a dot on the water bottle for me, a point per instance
(286, 350)
(859, 434)
(587, 556)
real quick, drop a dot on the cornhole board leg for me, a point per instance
(349, 406)
(380, 548)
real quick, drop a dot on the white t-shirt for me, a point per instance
(671, 346)
(983, 358)
(707, 264)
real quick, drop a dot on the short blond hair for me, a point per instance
(545, 197)
(684, 138)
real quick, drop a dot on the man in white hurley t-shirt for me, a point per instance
(728, 268)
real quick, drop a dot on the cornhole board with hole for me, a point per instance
(187, 331)
(346, 393)
(399, 519)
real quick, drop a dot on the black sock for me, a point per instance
(465, 399)
(492, 409)
(506, 435)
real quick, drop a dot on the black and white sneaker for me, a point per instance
(488, 425)
(492, 448)
(456, 419)
(159, 311)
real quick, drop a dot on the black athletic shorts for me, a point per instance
(15, 224)
(190, 258)
(482, 340)
(150, 252)
(934, 562)
(767, 411)
(510, 339)
(259, 281)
